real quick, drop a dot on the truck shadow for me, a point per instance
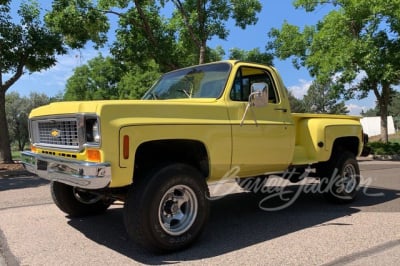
(237, 222)
(20, 180)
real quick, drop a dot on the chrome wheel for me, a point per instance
(168, 210)
(349, 178)
(344, 178)
(178, 210)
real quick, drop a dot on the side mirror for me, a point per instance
(259, 94)
(257, 98)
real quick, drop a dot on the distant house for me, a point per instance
(372, 125)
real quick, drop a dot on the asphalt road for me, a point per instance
(308, 232)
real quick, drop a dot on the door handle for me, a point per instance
(281, 109)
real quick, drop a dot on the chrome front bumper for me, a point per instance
(74, 173)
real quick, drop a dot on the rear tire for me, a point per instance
(341, 178)
(168, 209)
(77, 202)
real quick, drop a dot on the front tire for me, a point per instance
(167, 210)
(76, 202)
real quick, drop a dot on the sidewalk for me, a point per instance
(380, 158)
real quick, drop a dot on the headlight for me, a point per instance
(92, 131)
(96, 132)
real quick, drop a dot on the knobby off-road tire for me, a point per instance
(167, 210)
(77, 203)
(340, 178)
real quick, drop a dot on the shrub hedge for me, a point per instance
(380, 148)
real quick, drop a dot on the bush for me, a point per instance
(380, 148)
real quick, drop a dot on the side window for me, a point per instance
(245, 77)
(237, 90)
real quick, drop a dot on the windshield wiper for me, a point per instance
(189, 95)
(154, 95)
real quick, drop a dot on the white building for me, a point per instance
(372, 125)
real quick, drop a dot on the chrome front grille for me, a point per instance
(63, 133)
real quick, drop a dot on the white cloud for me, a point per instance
(360, 76)
(355, 109)
(53, 80)
(301, 89)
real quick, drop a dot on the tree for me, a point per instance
(356, 43)
(370, 112)
(104, 78)
(145, 34)
(321, 98)
(25, 47)
(17, 111)
(95, 80)
(137, 80)
(216, 54)
(296, 105)
(198, 21)
(17, 119)
(254, 55)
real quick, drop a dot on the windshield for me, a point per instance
(204, 81)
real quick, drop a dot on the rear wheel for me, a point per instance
(167, 210)
(341, 178)
(77, 202)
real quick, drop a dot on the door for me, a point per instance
(262, 137)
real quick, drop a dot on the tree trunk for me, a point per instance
(5, 148)
(383, 102)
(202, 57)
(384, 126)
(21, 144)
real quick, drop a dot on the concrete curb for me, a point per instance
(395, 157)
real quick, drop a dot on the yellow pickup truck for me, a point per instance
(194, 125)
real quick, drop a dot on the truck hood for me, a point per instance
(140, 111)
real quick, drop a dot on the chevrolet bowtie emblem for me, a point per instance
(55, 133)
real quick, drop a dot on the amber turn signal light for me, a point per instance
(125, 150)
(93, 155)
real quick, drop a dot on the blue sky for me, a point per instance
(273, 14)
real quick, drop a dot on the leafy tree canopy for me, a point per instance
(296, 105)
(321, 98)
(254, 55)
(17, 111)
(106, 78)
(26, 46)
(144, 33)
(357, 43)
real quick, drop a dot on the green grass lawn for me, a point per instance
(16, 155)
